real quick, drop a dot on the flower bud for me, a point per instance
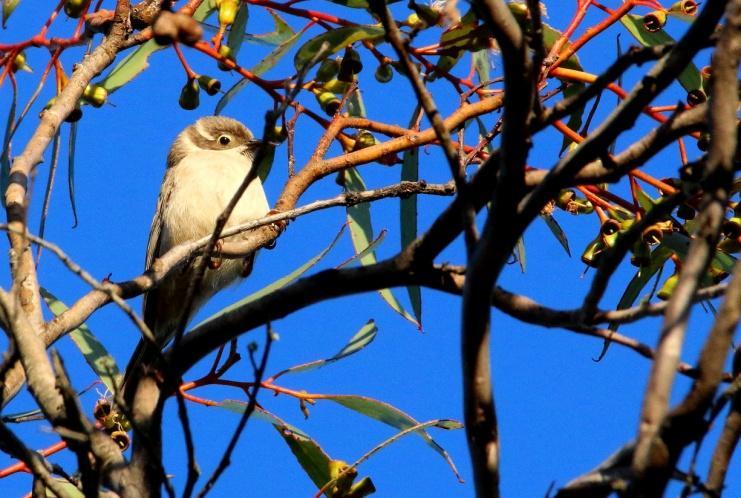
(696, 97)
(654, 21)
(210, 85)
(189, 95)
(732, 228)
(19, 63)
(228, 11)
(73, 8)
(687, 7)
(592, 255)
(121, 439)
(328, 101)
(383, 73)
(95, 95)
(667, 289)
(102, 409)
(336, 86)
(364, 139)
(226, 53)
(328, 69)
(277, 134)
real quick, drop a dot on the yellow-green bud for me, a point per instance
(210, 85)
(364, 139)
(593, 252)
(336, 86)
(732, 228)
(228, 11)
(277, 135)
(189, 95)
(328, 101)
(654, 21)
(95, 95)
(687, 7)
(225, 52)
(328, 69)
(19, 63)
(667, 289)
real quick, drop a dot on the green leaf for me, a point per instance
(680, 243)
(71, 170)
(575, 120)
(482, 65)
(336, 39)
(266, 164)
(408, 212)
(520, 254)
(281, 282)
(91, 348)
(8, 8)
(5, 157)
(236, 32)
(467, 35)
(361, 232)
(557, 231)
(261, 67)
(312, 458)
(361, 339)
(389, 415)
(278, 36)
(646, 202)
(369, 248)
(130, 66)
(689, 78)
(642, 277)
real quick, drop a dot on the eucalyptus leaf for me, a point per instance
(408, 212)
(96, 355)
(392, 416)
(556, 229)
(281, 282)
(236, 31)
(5, 156)
(361, 232)
(335, 39)
(360, 340)
(689, 78)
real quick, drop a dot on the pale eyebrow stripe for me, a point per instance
(202, 131)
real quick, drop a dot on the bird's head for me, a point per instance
(213, 133)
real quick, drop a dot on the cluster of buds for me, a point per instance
(333, 79)
(190, 93)
(113, 422)
(569, 202)
(344, 487)
(611, 229)
(656, 20)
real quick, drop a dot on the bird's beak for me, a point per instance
(250, 148)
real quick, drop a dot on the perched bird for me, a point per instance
(205, 166)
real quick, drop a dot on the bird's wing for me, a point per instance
(153, 248)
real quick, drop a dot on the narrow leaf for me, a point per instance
(130, 66)
(8, 7)
(312, 458)
(281, 282)
(556, 229)
(361, 339)
(91, 348)
(361, 232)
(482, 65)
(408, 212)
(390, 415)
(521, 256)
(575, 120)
(680, 243)
(336, 39)
(641, 279)
(236, 32)
(369, 248)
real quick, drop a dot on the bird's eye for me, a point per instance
(224, 139)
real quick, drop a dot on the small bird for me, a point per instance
(205, 166)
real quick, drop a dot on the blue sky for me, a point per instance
(560, 412)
